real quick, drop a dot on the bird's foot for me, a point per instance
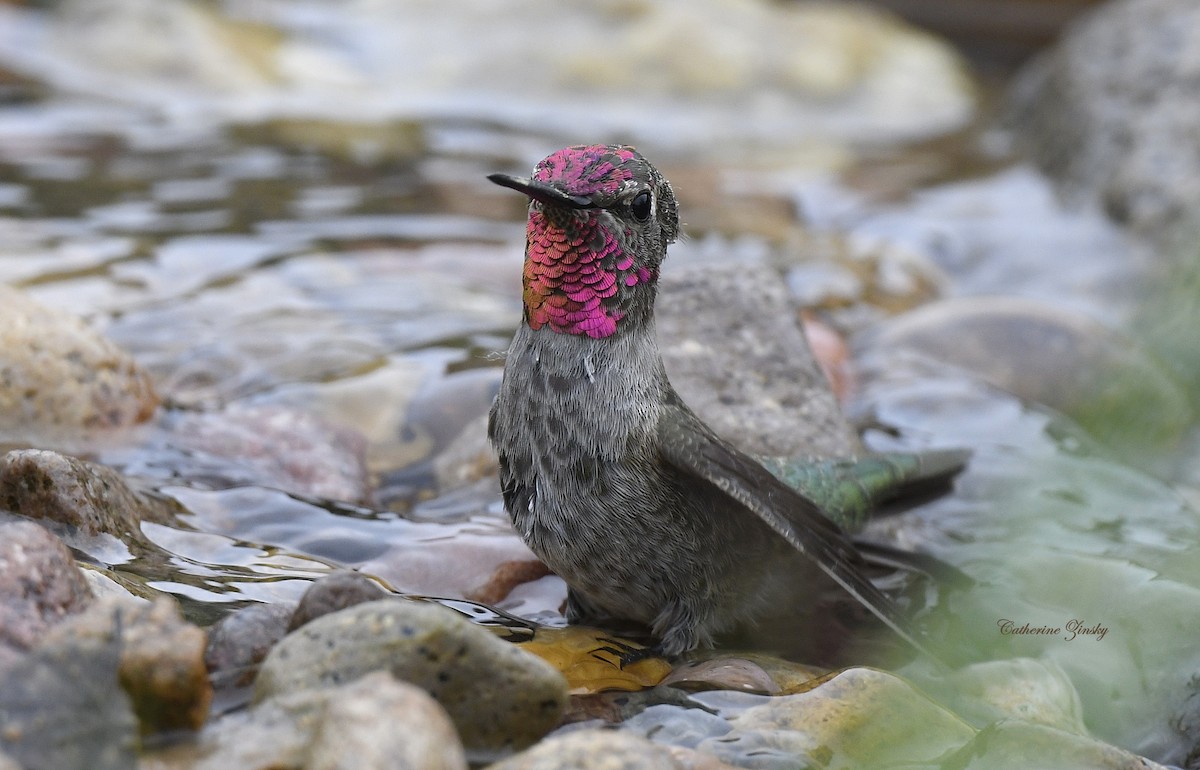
(627, 654)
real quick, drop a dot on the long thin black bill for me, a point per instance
(540, 191)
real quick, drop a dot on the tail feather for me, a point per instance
(890, 557)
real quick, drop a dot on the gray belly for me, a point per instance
(639, 541)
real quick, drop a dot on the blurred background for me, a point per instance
(274, 216)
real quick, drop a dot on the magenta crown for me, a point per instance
(588, 170)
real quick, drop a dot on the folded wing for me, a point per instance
(691, 447)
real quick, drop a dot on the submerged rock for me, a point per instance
(852, 718)
(1028, 689)
(481, 558)
(274, 446)
(374, 405)
(499, 696)
(39, 583)
(445, 406)
(467, 459)
(1015, 743)
(590, 659)
(1097, 376)
(855, 718)
(746, 672)
(60, 381)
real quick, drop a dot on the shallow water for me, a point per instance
(1059, 537)
(345, 290)
(365, 274)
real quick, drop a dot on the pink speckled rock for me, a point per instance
(39, 583)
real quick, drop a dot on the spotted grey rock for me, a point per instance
(499, 696)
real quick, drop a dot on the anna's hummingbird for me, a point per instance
(608, 476)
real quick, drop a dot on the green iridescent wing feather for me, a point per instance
(849, 490)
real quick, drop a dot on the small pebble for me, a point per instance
(238, 642)
(334, 592)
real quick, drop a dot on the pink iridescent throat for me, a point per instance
(573, 272)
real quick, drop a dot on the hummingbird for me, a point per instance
(646, 513)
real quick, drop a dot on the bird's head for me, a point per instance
(600, 219)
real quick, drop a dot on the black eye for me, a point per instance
(640, 206)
